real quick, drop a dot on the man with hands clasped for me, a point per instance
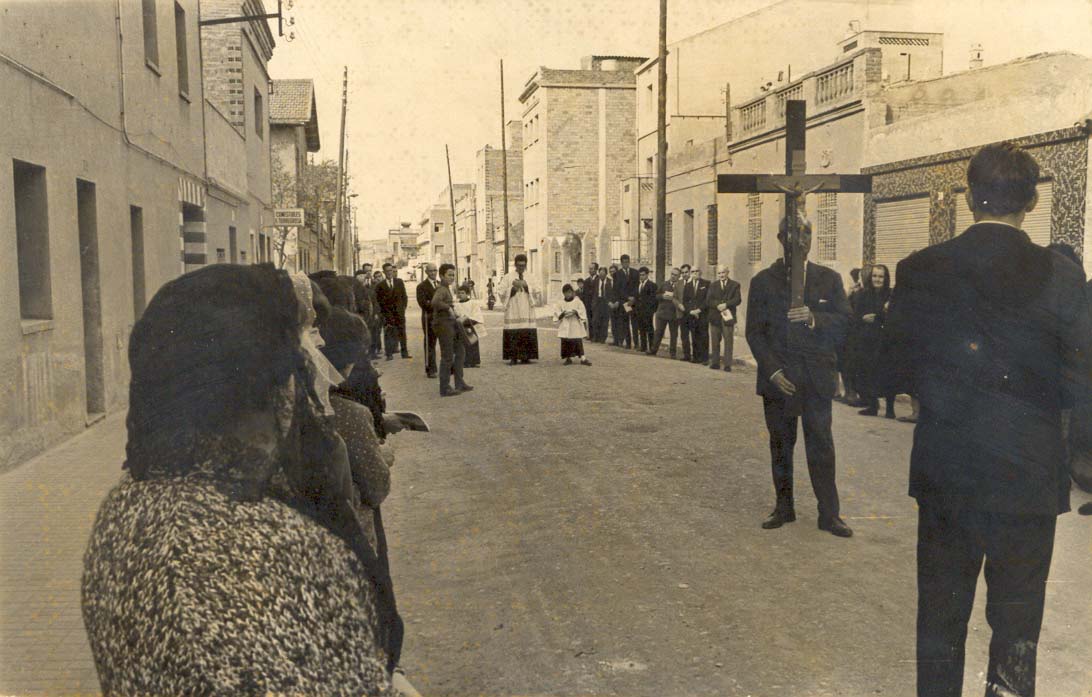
(796, 352)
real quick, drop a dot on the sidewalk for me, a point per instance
(47, 507)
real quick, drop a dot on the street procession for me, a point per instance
(448, 348)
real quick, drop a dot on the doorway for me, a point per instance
(90, 285)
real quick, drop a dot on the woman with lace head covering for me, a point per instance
(229, 559)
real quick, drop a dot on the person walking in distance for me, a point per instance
(991, 333)
(452, 340)
(391, 294)
(797, 376)
(425, 290)
(721, 302)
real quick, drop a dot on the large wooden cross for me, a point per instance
(795, 184)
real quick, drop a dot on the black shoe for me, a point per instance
(714, 366)
(431, 374)
(870, 411)
(890, 414)
(672, 355)
(836, 527)
(448, 392)
(464, 388)
(1085, 509)
(908, 419)
(778, 518)
(390, 357)
(568, 361)
(406, 355)
(512, 362)
(727, 368)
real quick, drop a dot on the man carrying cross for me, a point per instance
(797, 314)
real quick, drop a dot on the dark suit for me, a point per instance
(625, 287)
(645, 308)
(631, 278)
(693, 327)
(588, 296)
(808, 358)
(602, 292)
(727, 293)
(666, 317)
(991, 333)
(425, 290)
(392, 299)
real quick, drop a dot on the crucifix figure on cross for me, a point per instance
(795, 184)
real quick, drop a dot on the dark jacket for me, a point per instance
(600, 303)
(694, 299)
(665, 307)
(812, 355)
(625, 284)
(869, 370)
(715, 295)
(392, 301)
(588, 294)
(646, 299)
(425, 290)
(990, 332)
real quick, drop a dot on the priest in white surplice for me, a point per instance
(520, 331)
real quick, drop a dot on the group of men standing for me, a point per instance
(698, 313)
(382, 300)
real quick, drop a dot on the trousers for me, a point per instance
(658, 334)
(717, 333)
(430, 343)
(818, 445)
(452, 352)
(952, 545)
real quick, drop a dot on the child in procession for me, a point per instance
(572, 327)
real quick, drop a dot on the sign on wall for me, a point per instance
(288, 217)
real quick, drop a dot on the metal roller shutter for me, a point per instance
(902, 227)
(1036, 224)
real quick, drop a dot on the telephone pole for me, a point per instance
(504, 168)
(661, 151)
(340, 255)
(451, 197)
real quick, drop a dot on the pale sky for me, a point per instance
(425, 73)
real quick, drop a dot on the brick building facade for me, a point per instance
(578, 144)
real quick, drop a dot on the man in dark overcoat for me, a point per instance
(391, 296)
(644, 309)
(992, 334)
(795, 348)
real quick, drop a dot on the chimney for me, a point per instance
(976, 56)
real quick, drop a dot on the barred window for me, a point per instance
(667, 239)
(754, 228)
(711, 218)
(828, 227)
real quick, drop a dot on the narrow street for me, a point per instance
(568, 530)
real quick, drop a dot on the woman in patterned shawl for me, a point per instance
(229, 559)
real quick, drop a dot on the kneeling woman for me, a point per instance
(229, 560)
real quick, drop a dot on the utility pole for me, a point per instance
(339, 215)
(504, 168)
(661, 151)
(451, 197)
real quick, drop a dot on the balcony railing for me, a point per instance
(753, 116)
(794, 92)
(834, 85)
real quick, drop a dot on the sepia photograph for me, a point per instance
(559, 348)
